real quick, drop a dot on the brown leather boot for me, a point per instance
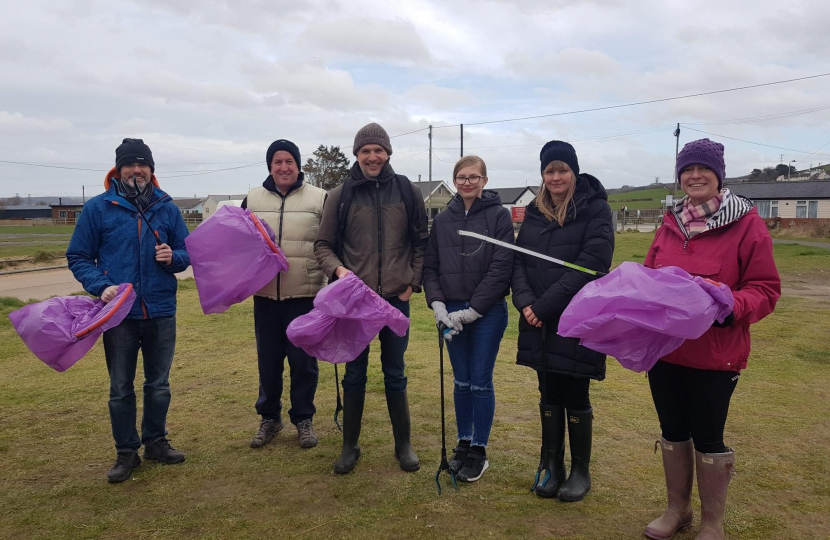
(679, 467)
(714, 471)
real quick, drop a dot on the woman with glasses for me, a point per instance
(571, 221)
(465, 282)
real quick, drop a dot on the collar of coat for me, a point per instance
(271, 185)
(733, 208)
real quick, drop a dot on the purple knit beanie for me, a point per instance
(703, 152)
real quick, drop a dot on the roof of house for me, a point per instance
(428, 187)
(187, 204)
(509, 195)
(226, 197)
(783, 190)
(26, 207)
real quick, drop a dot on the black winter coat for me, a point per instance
(586, 239)
(463, 268)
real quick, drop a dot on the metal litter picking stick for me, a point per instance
(531, 253)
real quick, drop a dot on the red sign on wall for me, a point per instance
(518, 214)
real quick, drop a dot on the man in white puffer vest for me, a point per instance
(293, 210)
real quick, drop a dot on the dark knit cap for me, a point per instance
(559, 151)
(703, 152)
(282, 144)
(133, 151)
(372, 134)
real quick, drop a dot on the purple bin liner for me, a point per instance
(639, 315)
(347, 316)
(61, 330)
(233, 255)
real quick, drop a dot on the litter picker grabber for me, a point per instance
(543, 460)
(531, 253)
(445, 465)
(339, 406)
(147, 221)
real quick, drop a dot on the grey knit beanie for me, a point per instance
(372, 134)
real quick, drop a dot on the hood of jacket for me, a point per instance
(488, 198)
(588, 188)
(113, 173)
(386, 174)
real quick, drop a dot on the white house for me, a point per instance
(211, 204)
(516, 196)
(436, 195)
(788, 200)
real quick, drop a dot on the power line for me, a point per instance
(752, 142)
(647, 102)
(757, 118)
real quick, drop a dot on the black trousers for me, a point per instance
(572, 392)
(271, 319)
(692, 403)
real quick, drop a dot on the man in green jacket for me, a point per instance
(375, 225)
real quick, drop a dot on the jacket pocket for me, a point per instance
(693, 264)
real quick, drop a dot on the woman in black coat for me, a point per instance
(571, 221)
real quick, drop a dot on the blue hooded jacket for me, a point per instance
(111, 245)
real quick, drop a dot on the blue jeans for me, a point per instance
(392, 349)
(473, 355)
(157, 340)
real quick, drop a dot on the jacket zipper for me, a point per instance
(380, 238)
(463, 252)
(279, 242)
(143, 306)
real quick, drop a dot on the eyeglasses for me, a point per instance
(474, 180)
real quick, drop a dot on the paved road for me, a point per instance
(822, 245)
(48, 283)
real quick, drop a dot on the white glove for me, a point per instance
(464, 316)
(439, 309)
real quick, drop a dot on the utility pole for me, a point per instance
(83, 194)
(429, 184)
(676, 150)
(782, 159)
(462, 140)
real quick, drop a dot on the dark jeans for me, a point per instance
(571, 392)
(692, 403)
(473, 355)
(392, 349)
(271, 319)
(157, 340)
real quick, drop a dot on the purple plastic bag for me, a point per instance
(61, 330)
(347, 316)
(233, 255)
(639, 315)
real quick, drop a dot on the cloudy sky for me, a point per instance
(208, 85)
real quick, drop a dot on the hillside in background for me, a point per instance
(639, 198)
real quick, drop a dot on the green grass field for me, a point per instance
(56, 447)
(654, 197)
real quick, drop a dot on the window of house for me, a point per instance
(801, 209)
(207, 210)
(812, 209)
(773, 209)
(62, 213)
(763, 208)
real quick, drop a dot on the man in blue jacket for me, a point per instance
(112, 245)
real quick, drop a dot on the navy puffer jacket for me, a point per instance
(466, 269)
(586, 239)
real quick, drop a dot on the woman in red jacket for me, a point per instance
(716, 234)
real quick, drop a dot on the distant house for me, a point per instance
(518, 197)
(788, 200)
(437, 194)
(211, 203)
(25, 211)
(66, 213)
(190, 207)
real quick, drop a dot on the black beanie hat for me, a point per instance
(133, 151)
(559, 151)
(285, 145)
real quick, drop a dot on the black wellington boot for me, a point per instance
(553, 457)
(398, 406)
(580, 432)
(352, 417)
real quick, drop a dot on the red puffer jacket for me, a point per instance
(736, 249)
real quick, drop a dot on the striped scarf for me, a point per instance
(694, 217)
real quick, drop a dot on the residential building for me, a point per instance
(788, 200)
(437, 194)
(209, 206)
